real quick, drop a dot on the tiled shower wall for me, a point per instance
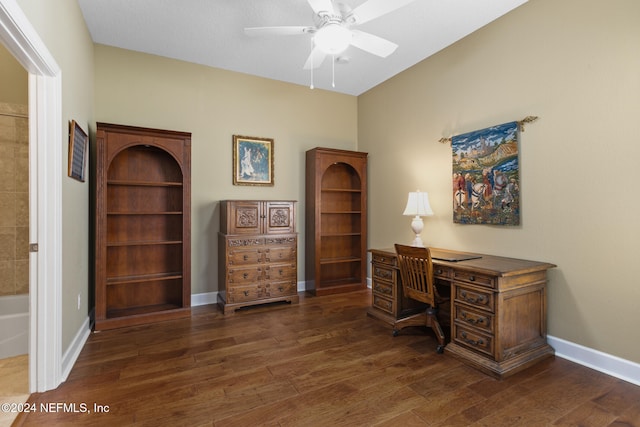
(14, 199)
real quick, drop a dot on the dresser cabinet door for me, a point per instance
(279, 218)
(244, 217)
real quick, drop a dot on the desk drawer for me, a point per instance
(384, 272)
(377, 258)
(384, 304)
(475, 318)
(383, 288)
(473, 340)
(441, 272)
(476, 279)
(475, 297)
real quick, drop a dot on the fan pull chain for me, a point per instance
(333, 70)
(311, 87)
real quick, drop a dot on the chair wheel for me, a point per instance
(395, 332)
(440, 349)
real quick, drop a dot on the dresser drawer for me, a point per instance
(245, 275)
(476, 318)
(279, 289)
(281, 254)
(236, 294)
(280, 272)
(476, 279)
(383, 288)
(246, 256)
(384, 304)
(474, 340)
(475, 297)
(377, 258)
(384, 272)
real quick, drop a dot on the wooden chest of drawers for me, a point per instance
(260, 266)
(498, 308)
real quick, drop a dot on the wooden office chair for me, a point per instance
(416, 273)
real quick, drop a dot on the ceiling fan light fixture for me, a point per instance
(333, 38)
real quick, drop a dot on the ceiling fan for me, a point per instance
(332, 31)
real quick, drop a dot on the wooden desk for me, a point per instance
(498, 311)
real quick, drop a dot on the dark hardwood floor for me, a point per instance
(322, 362)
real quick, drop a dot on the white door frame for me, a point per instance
(45, 195)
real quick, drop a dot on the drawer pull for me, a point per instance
(472, 278)
(246, 257)
(245, 275)
(246, 293)
(474, 321)
(481, 299)
(280, 289)
(471, 342)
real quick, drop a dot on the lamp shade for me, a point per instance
(418, 204)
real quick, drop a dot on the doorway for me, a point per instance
(45, 211)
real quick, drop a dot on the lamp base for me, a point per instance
(417, 225)
(417, 242)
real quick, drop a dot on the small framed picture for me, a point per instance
(78, 144)
(252, 160)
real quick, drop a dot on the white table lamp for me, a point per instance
(417, 206)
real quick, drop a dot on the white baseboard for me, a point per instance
(594, 359)
(204, 299)
(73, 351)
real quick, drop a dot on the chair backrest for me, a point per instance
(416, 272)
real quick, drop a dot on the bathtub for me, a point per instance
(14, 325)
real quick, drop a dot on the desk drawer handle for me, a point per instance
(476, 321)
(246, 293)
(245, 275)
(481, 299)
(471, 342)
(472, 278)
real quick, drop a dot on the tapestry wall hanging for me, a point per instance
(486, 176)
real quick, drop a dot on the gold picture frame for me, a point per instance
(252, 161)
(78, 144)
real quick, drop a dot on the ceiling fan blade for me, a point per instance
(276, 31)
(315, 59)
(372, 9)
(372, 44)
(321, 6)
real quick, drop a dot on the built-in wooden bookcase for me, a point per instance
(142, 225)
(336, 221)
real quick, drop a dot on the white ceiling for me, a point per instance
(211, 32)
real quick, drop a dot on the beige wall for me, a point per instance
(145, 90)
(61, 27)
(575, 64)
